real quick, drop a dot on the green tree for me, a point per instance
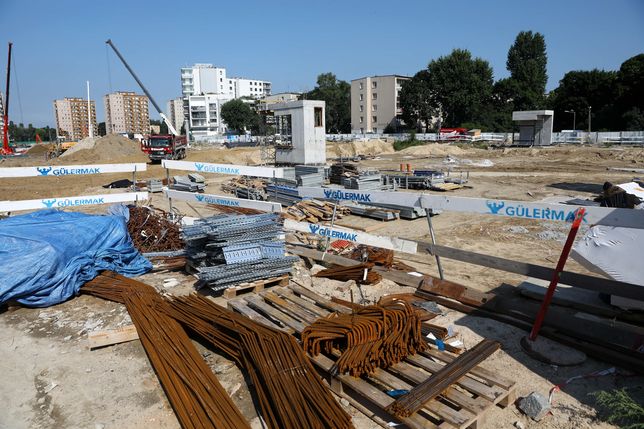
(418, 101)
(630, 102)
(239, 116)
(579, 90)
(337, 97)
(462, 85)
(527, 61)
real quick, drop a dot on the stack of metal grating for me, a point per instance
(226, 250)
(285, 195)
(309, 175)
(364, 181)
(187, 183)
(155, 185)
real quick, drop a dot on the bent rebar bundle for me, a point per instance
(375, 336)
(197, 398)
(290, 392)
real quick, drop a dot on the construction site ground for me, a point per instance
(52, 379)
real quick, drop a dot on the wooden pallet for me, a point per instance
(256, 286)
(463, 405)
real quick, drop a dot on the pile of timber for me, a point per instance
(361, 273)
(342, 170)
(246, 187)
(375, 336)
(314, 211)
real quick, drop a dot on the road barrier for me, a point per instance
(70, 170)
(223, 200)
(237, 170)
(74, 201)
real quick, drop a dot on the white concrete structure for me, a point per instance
(205, 116)
(174, 112)
(205, 88)
(535, 127)
(301, 130)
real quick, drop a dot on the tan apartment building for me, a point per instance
(374, 103)
(71, 118)
(126, 112)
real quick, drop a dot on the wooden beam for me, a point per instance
(112, 336)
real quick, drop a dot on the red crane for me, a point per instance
(5, 131)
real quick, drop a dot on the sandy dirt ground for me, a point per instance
(52, 380)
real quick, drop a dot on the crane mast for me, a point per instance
(154, 103)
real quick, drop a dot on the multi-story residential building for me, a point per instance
(174, 112)
(205, 88)
(374, 103)
(126, 112)
(72, 119)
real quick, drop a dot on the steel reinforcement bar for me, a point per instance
(194, 392)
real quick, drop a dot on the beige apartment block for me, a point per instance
(71, 118)
(374, 103)
(126, 112)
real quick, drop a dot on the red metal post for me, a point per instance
(5, 131)
(579, 216)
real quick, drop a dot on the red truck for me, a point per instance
(164, 146)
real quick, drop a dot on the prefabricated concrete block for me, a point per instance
(535, 406)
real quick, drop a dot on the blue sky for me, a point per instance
(58, 45)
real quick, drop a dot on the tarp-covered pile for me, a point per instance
(46, 256)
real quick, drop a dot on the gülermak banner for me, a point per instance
(70, 170)
(224, 201)
(335, 233)
(64, 202)
(239, 170)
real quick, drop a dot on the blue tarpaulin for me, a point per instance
(46, 256)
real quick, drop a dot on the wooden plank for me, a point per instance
(259, 304)
(321, 301)
(241, 307)
(478, 371)
(289, 295)
(288, 307)
(112, 336)
(371, 393)
(583, 281)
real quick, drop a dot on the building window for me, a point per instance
(221, 79)
(361, 119)
(374, 107)
(360, 97)
(374, 85)
(317, 113)
(361, 107)
(374, 118)
(361, 130)
(375, 130)
(360, 85)
(374, 96)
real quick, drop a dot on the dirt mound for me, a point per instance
(436, 149)
(109, 149)
(38, 150)
(370, 147)
(237, 156)
(86, 143)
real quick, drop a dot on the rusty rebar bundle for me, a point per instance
(424, 392)
(289, 390)
(378, 256)
(194, 392)
(152, 231)
(361, 273)
(372, 337)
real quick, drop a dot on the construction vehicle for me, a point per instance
(157, 147)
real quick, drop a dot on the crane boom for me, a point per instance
(136, 78)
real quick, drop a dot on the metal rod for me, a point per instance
(433, 237)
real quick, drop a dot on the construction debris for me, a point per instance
(152, 231)
(376, 336)
(246, 187)
(194, 392)
(314, 211)
(535, 406)
(290, 393)
(342, 170)
(362, 273)
(424, 392)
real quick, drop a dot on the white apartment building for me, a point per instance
(205, 88)
(374, 103)
(174, 112)
(126, 112)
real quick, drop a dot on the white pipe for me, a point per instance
(89, 114)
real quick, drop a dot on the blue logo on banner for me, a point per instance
(199, 197)
(48, 203)
(500, 208)
(44, 170)
(198, 166)
(326, 232)
(351, 196)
